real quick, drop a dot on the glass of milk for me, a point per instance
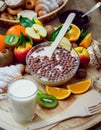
(22, 95)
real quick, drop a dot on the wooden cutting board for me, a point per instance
(7, 121)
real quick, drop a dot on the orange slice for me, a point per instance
(80, 87)
(74, 33)
(59, 93)
(2, 44)
(86, 42)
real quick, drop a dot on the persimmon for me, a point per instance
(16, 29)
(2, 43)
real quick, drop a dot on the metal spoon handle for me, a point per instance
(92, 9)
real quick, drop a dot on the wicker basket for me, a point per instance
(46, 18)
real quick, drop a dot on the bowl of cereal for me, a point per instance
(57, 70)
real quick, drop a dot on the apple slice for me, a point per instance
(36, 32)
(65, 43)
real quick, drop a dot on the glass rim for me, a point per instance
(16, 97)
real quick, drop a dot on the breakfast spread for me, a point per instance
(20, 49)
(63, 65)
(23, 44)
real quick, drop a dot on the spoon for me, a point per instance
(48, 51)
(92, 9)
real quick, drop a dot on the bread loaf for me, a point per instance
(93, 58)
(97, 83)
(97, 50)
(95, 54)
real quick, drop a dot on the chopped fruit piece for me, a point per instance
(46, 100)
(36, 32)
(59, 93)
(80, 87)
(73, 34)
(86, 42)
(11, 40)
(65, 43)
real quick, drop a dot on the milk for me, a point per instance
(22, 98)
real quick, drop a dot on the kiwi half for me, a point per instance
(47, 100)
(11, 40)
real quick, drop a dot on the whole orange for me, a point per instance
(16, 29)
(2, 44)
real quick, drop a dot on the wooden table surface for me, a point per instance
(95, 28)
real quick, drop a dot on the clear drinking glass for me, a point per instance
(22, 95)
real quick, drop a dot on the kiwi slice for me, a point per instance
(47, 100)
(11, 40)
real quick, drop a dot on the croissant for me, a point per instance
(43, 7)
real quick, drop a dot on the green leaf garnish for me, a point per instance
(54, 35)
(26, 22)
(23, 39)
(83, 34)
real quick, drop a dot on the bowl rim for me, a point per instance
(71, 73)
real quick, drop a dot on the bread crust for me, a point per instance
(97, 83)
(43, 7)
(14, 3)
(97, 50)
(14, 11)
(6, 15)
(2, 6)
(29, 4)
(93, 59)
